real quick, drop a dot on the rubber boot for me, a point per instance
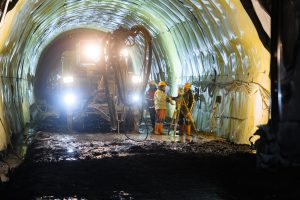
(188, 129)
(161, 128)
(156, 128)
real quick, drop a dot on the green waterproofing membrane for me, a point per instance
(211, 43)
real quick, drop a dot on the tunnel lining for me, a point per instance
(174, 35)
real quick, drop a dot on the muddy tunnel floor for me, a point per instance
(109, 166)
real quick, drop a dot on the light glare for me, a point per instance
(124, 52)
(92, 52)
(68, 79)
(69, 99)
(70, 150)
(135, 98)
(136, 79)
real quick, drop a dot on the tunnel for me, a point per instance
(185, 48)
(223, 48)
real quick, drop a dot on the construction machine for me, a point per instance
(98, 78)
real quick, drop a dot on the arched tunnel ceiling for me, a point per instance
(211, 43)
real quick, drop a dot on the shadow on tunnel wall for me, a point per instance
(266, 4)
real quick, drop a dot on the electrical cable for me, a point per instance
(140, 122)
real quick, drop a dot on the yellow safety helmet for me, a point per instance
(152, 83)
(187, 86)
(162, 83)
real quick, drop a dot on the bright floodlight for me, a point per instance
(69, 99)
(136, 79)
(68, 79)
(124, 52)
(136, 98)
(92, 52)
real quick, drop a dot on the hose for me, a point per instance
(136, 140)
(140, 122)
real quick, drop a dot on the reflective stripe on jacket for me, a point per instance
(160, 100)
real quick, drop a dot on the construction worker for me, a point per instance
(185, 117)
(150, 102)
(160, 104)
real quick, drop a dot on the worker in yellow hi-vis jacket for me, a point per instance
(160, 104)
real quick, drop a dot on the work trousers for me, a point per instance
(160, 118)
(152, 116)
(161, 115)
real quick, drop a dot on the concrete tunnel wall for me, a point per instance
(211, 43)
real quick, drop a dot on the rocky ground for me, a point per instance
(111, 166)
